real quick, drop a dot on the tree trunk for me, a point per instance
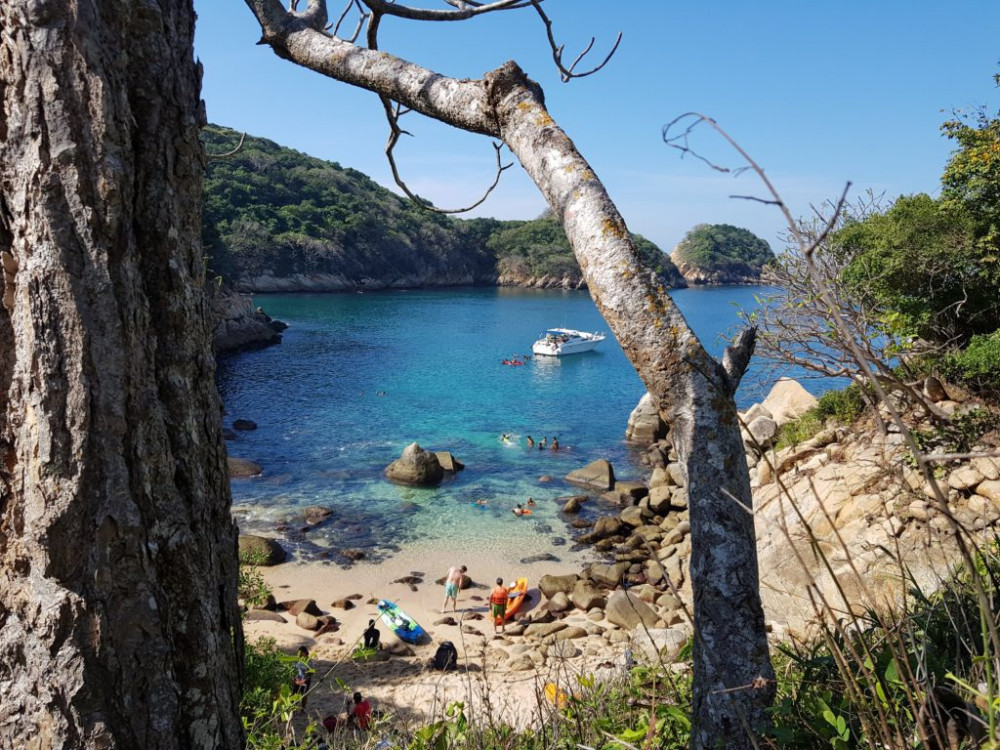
(119, 625)
(733, 675)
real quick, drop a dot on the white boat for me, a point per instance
(557, 342)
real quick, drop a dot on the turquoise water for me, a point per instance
(359, 376)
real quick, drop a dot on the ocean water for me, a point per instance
(360, 376)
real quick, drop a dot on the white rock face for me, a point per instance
(788, 400)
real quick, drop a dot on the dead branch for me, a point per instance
(212, 157)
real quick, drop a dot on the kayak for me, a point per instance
(520, 589)
(404, 626)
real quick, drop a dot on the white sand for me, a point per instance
(403, 684)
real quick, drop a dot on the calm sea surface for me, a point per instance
(360, 376)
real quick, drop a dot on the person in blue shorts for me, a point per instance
(452, 583)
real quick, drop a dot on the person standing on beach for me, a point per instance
(498, 605)
(452, 583)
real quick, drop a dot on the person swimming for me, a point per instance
(531, 503)
(531, 443)
(519, 510)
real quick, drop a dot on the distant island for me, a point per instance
(721, 254)
(278, 220)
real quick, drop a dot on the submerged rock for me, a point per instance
(243, 468)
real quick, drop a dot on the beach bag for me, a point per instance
(446, 656)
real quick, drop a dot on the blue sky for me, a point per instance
(818, 93)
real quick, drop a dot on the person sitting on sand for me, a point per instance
(372, 636)
(530, 442)
(361, 714)
(452, 583)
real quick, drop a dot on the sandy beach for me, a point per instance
(498, 676)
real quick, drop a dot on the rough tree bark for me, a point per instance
(733, 675)
(119, 625)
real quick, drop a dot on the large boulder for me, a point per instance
(608, 575)
(550, 585)
(628, 611)
(661, 642)
(586, 596)
(762, 430)
(260, 550)
(644, 423)
(788, 400)
(606, 526)
(416, 467)
(597, 475)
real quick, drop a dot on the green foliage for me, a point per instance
(861, 685)
(539, 248)
(978, 365)
(960, 433)
(250, 585)
(269, 209)
(722, 248)
(267, 703)
(843, 407)
(921, 265)
(971, 179)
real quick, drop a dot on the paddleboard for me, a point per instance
(405, 627)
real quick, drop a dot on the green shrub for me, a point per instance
(978, 365)
(843, 407)
(267, 703)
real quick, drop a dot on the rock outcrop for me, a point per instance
(416, 467)
(237, 325)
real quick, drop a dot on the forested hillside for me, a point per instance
(721, 254)
(277, 219)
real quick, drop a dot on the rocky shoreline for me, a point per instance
(860, 504)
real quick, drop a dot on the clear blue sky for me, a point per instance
(818, 93)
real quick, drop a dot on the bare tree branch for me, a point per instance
(567, 73)
(463, 12)
(239, 146)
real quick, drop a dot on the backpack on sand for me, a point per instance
(446, 656)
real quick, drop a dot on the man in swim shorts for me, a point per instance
(452, 583)
(498, 604)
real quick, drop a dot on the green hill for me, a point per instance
(721, 254)
(277, 219)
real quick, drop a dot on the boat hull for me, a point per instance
(558, 342)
